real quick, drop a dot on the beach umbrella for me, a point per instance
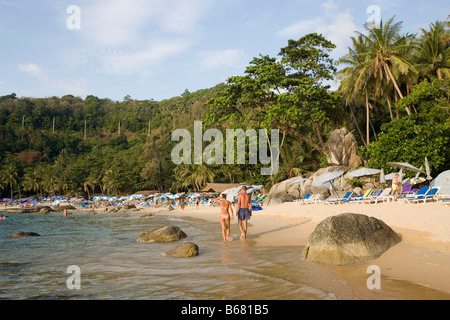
(443, 181)
(254, 188)
(363, 172)
(406, 166)
(427, 169)
(327, 177)
(382, 176)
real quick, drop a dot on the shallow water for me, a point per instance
(114, 266)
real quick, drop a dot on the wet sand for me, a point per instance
(422, 258)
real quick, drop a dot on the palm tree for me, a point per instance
(49, 183)
(200, 175)
(357, 77)
(433, 56)
(111, 181)
(387, 55)
(10, 177)
(32, 181)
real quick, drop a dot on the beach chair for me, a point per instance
(344, 198)
(385, 195)
(315, 198)
(361, 198)
(421, 193)
(406, 190)
(300, 201)
(429, 196)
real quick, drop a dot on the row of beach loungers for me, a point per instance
(422, 195)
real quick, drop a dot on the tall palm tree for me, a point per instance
(433, 56)
(111, 181)
(386, 53)
(356, 78)
(10, 177)
(32, 181)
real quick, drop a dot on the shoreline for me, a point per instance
(422, 258)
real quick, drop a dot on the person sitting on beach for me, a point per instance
(225, 208)
(244, 209)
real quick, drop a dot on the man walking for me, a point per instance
(244, 209)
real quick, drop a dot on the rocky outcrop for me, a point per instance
(342, 149)
(186, 250)
(22, 235)
(44, 211)
(165, 234)
(349, 238)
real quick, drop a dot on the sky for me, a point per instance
(156, 49)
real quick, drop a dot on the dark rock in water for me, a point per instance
(66, 206)
(44, 211)
(22, 235)
(165, 234)
(186, 250)
(147, 215)
(349, 238)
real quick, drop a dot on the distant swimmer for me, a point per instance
(225, 210)
(2, 217)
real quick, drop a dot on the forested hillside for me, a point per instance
(394, 96)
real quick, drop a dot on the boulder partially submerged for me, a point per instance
(349, 238)
(165, 234)
(22, 235)
(186, 250)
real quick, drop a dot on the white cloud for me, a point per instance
(337, 26)
(75, 86)
(136, 36)
(143, 61)
(31, 68)
(222, 58)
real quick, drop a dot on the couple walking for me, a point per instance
(244, 212)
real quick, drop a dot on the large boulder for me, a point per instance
(349, 238)
(22, 235)
(342, 149)
(165, 234)
(186, 250)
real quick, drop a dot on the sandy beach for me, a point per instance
(422, 258)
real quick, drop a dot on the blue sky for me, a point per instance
(155, 49)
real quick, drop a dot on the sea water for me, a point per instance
(113, 266)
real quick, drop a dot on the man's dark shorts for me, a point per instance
(244, 214)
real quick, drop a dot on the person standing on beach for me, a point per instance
(395, 186)
(244, 211)
(225, 208)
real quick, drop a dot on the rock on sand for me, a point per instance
(349, 238)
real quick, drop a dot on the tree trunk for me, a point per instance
(367, 118)
(388, 70)
(390, 107)
(357, 126)
(300, 136)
